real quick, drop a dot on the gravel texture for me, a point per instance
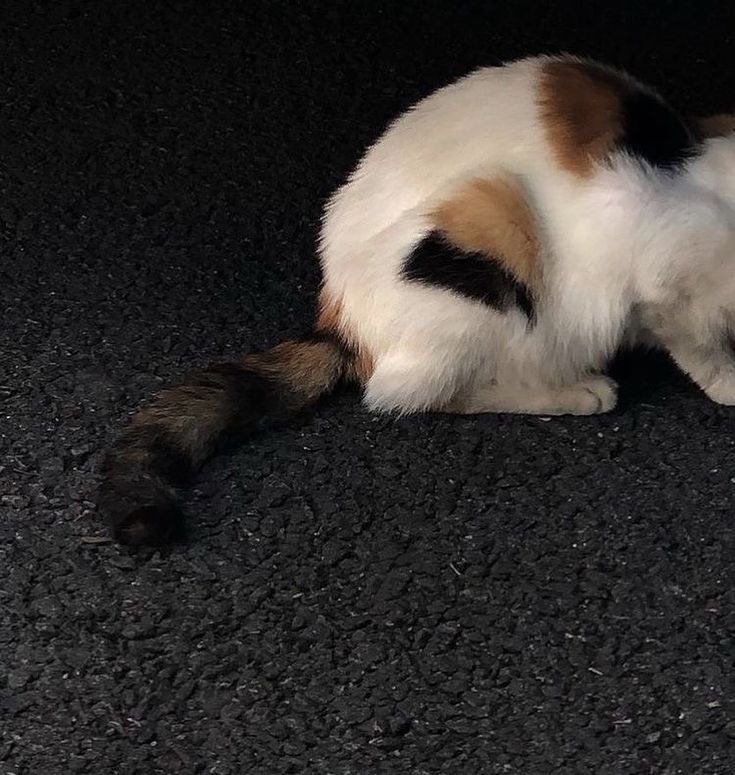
(362, 595)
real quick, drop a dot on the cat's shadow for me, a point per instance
(646, 376)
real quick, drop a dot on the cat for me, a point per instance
(490, 253)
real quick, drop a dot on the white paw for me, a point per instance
(597, 395)
(722, 389)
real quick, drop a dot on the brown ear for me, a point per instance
(718, 125)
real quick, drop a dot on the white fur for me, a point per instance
(627, 250)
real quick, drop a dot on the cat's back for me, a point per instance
(550, 121)
(488, 116)
(480, 122)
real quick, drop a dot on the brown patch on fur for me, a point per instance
(330, 320)
(719, 125)
(581, 108)
(299, 366)
(329, 314)
(492, 217)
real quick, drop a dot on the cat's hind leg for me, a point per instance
(407, 380)
(592, 395)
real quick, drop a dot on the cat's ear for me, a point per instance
(719, 125)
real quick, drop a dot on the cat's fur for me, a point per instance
(490, 253)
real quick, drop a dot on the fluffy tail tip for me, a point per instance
(140, 508)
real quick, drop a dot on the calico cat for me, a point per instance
(490, 253)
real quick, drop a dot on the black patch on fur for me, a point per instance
(655, 132)
(477, 276)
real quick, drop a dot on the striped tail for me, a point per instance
(168, 441)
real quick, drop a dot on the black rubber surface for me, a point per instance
(362, 595)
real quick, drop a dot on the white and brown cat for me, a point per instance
(490, 253)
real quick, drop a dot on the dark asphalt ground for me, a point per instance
(362, 595)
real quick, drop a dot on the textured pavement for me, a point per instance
(361, 595)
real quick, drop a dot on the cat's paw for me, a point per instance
(722, 389)
(601, 395)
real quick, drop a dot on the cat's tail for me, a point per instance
(168, 441)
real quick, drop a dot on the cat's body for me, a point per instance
(491, 252)
(606, 241)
